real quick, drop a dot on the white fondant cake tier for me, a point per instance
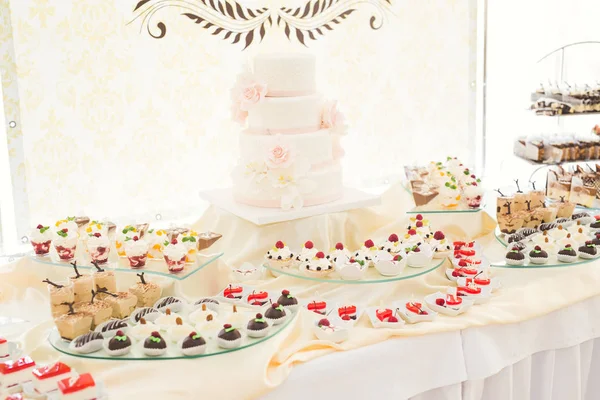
(286, 75)
(321, 186)
(314, 147)
(286, 115)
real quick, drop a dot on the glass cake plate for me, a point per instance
(173, 352)
(370, 276)
(121, 264)
(552, 260)
(430, 209)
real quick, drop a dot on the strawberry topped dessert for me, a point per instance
(280, 256)
(386, 315)
(41, 238)
(352, 269)
(307, 253)
(317, 267)
(392, 244)
(367, 253)
(325, 330)
(338, 253)
(175, 254)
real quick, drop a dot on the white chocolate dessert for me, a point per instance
(290, 149)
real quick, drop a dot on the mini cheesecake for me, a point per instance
(45, 379)
(13, 373)
(122, 305)
(3, 348)
(82, 387)
(72, 325)
(147, 293)
(99, 309)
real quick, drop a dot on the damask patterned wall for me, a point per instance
(116, 122)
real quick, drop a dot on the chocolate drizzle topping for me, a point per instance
(168, 301)
(77, 274)
(71, 309)
(105, 291)
(56, 285)
(143, 312)
(141, 276)
(88, 337)
(95, 264)
(113, 325)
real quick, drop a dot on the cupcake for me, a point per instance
(175, 254)
(567, 254)
(190, 240)
(136, 250)
(127, 232)
(193, 345)
(307, 252)
(515, 257)
(65, 243)
(280, 256)
(392, 244)
(257, 327)
(442, 246)
(155, 345)
(338, 253)
(119, 345)
(275, 313)
(229, 337)
(367, 253)
(588, 250)
(317, 267)
(287, 300)
(41, 238)
(156, 239)
(538, 256)
(98, 247)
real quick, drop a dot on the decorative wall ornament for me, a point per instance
(238, 24)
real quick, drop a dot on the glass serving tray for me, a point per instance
(371, 275)
(552, 260)
(173, 352)
(430, 210)
(121, 264)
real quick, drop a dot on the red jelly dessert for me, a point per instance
(232, 292)
(81, 387)
(319, 307)
(452, 300)
(469, 290)
(258, 298)
(384, 314)
(347, 313)
(416, 308)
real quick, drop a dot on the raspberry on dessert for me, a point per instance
(419, 224)
(279, 244)
(440, 302)
(393, 238)
(135, 238)
(369, 243)
(462, 263)
(324, 322)
(97, 234)
(397, 257)
(285, 292)
(320, 254)
(538, 248)
(339, 246)
(174, 241)
(455, 274)
(65, 230)
(309, 245)
(40, 226)
(416, 250)
(412, 232)
(419, 217)
(392, 319)
(439, 235)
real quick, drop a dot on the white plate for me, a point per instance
(452, 312)
(336, 337)
(411, 317)
(480, 298)
(372, 314)
(493, 286)
(245, 289)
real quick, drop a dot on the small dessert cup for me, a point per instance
(41, 249)
(136, 250)
(98, 247)
(176, 254)
(41, 239)
(175, 265)
(65, 243)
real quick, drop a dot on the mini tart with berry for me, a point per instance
(119, 345)
(280, 256)
(588, 251)
(419, 255)
(338, 253)
(307, 252)
(155, 345)
(193, 345)
(515, 257)
(442, 246)
(317, 267)
(392, 244)
(538, 255)
(567, 254)
(229, 337)
(287, 300)
(367, 253)
(257, 327)
(276, 314)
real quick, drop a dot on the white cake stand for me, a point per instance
(351, 199)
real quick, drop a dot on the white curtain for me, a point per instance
(116, 123)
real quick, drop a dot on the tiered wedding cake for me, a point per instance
(290, 150)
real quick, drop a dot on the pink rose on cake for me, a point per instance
(331, 117)
(279, 156)
(246, 93)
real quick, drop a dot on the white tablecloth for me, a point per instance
(554, 357)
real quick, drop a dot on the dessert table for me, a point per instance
(535, 338)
